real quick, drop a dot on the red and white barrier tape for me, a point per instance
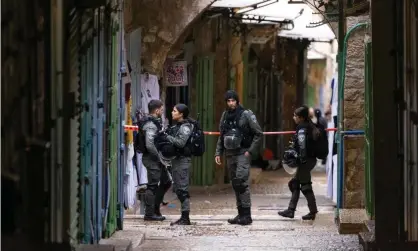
(135, 128)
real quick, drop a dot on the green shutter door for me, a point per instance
(112, 130)
(203, 167)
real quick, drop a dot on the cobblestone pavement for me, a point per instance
(210, 231)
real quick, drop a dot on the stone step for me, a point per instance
(351, 221)
(95, 247)
(118, 244)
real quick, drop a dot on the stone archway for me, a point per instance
(162, 23)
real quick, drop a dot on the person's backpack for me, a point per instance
(140, 142)
(321, 143)
(197, 139)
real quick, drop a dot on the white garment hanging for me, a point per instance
(142, 171)
(149, 90)
(130, 179)
(329, 168)
(334, 178)
(334, 101)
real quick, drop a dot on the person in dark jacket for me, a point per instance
(241, 137)
(303, 144)
(158, 179)
(179, 135)
(321, 120)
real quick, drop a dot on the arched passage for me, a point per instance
(162, 23)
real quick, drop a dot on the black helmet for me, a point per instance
(290, 161)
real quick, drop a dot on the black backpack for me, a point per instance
(197, 139)
(321, 143)
(139, 142)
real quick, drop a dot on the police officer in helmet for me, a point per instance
(241, 137)
(302, 154)
(158, 178)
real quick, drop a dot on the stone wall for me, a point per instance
(288, 64)
(354, 114)
(221, 74)
(354, 79)
(162, 23)
(354, 183)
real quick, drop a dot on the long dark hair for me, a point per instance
(183, 109)
(303, 112)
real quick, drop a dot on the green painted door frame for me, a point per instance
(369, 173)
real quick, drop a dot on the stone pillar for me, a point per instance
(354, 112)
(354, 183)
(354, 78)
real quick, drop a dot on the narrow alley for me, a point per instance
(210, 230)
(239, 92)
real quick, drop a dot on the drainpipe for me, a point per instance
(341, 84)
(341, 34)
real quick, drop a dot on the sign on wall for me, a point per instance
(176, 74)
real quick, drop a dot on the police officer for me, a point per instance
(306, 134)
(179, 135)
(240, 137)
(157, 177)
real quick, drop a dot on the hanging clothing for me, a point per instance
(131, 181)
(334, 95)
(150, 89)
(142, 172)
(329, 164)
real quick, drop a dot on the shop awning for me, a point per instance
(272, 11)
(235, 3)
(302, 30)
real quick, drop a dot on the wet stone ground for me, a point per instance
(210, 231)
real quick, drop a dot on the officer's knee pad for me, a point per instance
(239, 185)
(182, 195)
(293, 185)
(306, 188)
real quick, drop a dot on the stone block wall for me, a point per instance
(162, 23)
(354, 183)
(354, 79)
(354, 117)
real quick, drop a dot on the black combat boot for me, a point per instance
(245, 217)
(154, 218)
(288, 213)
(313, 210)
(235, 220)
(184, 219)
(158, 212)
(150, 208)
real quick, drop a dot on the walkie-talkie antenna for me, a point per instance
(198, 115)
